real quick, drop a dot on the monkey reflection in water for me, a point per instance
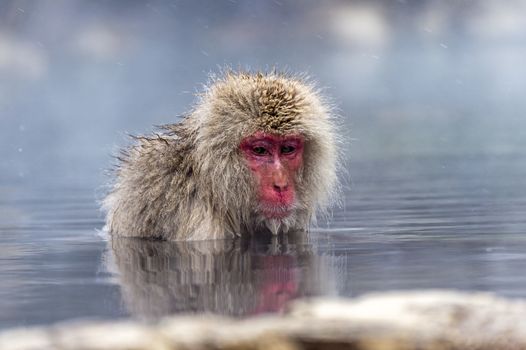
(258, 152)
(229, 277)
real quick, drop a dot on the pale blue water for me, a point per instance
(409, 223)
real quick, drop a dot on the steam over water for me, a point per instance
(431, 101)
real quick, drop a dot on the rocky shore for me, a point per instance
(392, 320)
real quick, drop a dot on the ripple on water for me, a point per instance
(408, 223)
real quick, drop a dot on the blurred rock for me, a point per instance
(394, 320)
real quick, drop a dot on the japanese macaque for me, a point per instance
(257, 152)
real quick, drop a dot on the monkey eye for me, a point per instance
(287, 149)
(259, 150)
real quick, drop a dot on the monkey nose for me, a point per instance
(280, 183)
(281, 187)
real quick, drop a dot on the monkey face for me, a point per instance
(274, 161)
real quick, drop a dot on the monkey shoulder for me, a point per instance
(155, 164)
(153, 176)
(168, 153)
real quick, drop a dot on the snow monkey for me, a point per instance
(256, 154)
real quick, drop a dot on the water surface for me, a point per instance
(404, 223)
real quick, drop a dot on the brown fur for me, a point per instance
(191, 182)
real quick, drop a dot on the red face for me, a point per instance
(274, 160)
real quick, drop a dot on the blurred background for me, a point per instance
(412, 78)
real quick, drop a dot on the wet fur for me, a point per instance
(190, 182)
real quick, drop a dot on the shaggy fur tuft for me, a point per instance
(190, 182)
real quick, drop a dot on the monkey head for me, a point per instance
(266, 150)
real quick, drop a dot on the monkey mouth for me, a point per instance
(276, 211)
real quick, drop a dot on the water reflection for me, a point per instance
(230, 277)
